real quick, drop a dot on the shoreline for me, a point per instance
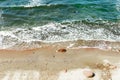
(98, 44)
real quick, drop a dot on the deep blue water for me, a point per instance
(39, 12)
(56, 20)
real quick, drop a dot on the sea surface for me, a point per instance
(33, 22)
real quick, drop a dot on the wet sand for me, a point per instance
(50, 63)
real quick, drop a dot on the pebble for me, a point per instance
(89, 73)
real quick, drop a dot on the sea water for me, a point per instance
(28, 21)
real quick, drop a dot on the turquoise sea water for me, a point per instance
(58, 20)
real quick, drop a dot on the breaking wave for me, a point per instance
(56, 32)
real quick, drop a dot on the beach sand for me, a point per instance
(57, 62)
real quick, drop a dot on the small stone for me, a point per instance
(62, 50)
(88, 73)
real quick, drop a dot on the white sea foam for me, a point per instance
(7, 39)
(33, 3)
(55, 32)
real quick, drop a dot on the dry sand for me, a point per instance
(50, 63)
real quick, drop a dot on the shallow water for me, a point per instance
(27, 21)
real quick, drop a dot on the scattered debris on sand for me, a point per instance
(106, 68)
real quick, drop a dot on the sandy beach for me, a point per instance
(51, 62)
